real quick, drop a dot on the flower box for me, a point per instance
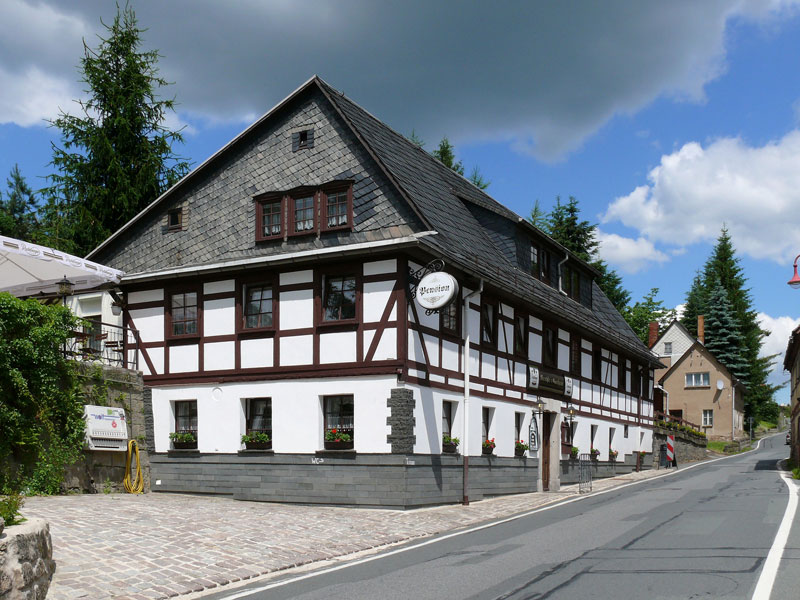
(185, 445)
(449, 448)
(487, 451)
(258, 445)
(519, 452)
(338, 445)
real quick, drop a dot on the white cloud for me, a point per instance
(694, 191)
(628, 254)
(780, 329)
(430, 66)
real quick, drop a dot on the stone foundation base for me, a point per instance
(26, 561)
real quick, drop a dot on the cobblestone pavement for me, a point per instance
(165, 545)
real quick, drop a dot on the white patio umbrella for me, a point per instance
(29, 269)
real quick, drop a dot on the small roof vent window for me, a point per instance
(302, 139)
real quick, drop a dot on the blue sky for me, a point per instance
(663, 119)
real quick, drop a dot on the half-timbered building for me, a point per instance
(272, 291)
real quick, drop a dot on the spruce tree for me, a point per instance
(648, 309)
(445, 153)
(116, 157)
(722, 336)
(538, 217)
(696, 301)
(18, 209)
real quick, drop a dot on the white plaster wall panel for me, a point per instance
(586, 345)
(336, 347)
(431, 321)
(506, 342)
(606, 353)
(150, 323)
(387, 346)
(505, 370)
(295, 277)
(297, 350)
(576, 391)
(296, 309)
(219, 287)
(296, 413)
(415, 353)
(520, 374)
(219, 356)
(375, 298)
(535, 348)
(586, 365)
(410, 315)
(450, 356)
(614, 376)
(219, 317)
(257, 353)
(183, 359)
(488, 370)
(536, 323)
(627, 381)
(156, 357)
(437, 378)
(563, 335)
(474, 325)
(494, 390)
(513, 394)
(432, 346)
(417, 373)
(369, 335)
(506, 310)
(474, 362)
(156, 295)
(679, 340)
(563, 357)
(379, 267)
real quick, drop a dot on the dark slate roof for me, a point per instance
(438, 193)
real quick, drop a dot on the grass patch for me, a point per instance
(717, 446)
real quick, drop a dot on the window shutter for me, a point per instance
(310, 139)
(295, 141)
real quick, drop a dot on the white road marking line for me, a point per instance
(770, 571)
(270, 586)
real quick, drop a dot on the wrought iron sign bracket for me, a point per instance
(416, 275)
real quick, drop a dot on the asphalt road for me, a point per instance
(701, 533)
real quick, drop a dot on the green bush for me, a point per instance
(41, 415)
(10, 506)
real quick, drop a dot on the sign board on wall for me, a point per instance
(533, 434)
(436, 290)
(552, 382)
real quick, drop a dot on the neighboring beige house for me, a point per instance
(695, 386)
(791, 362)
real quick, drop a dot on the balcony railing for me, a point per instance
(106, 343)
(660, 416)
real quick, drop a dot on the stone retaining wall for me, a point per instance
(602, 469)
(688, 448)
(344, 478)
(26, 561)
(103, 471)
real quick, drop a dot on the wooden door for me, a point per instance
(544, 464)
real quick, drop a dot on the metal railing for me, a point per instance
(585, 473)
(106, 343)
(660, 416)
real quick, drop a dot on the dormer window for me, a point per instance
(302, 139)
(175, 219)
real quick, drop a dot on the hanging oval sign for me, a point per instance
(437, 290)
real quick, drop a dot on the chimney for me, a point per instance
(701, 328)
(652, 334)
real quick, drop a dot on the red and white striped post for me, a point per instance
(670, 450)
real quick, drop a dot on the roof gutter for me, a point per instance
(291, 258)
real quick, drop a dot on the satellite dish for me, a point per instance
(720, 384)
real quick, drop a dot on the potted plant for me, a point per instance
(449, 444)
(257, 440)
(183, 440)
(488, 446)
(337, 440)
(520, 447)
(612, 455)
(595, 453)
(573, 452)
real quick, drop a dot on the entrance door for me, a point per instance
(544, 464)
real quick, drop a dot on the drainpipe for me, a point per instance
(733, 409)
(560, 278)
(465, 417)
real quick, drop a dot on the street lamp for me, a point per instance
(65, 288)
(795, 280)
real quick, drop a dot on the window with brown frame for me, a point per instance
(339, 414)
(339, 298)
(575, 355)
(259, 416)
(489, 323)
(447, 417)
(520, 335)
(271, 219)
(258, 306)
(337, 210)
(175, 219)
(636, 381)
(186, 416)
(449, 318)
(549, 347)
(544, 266)
(535, 261)
(302, 214)
(184, 315)
(571, 283)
